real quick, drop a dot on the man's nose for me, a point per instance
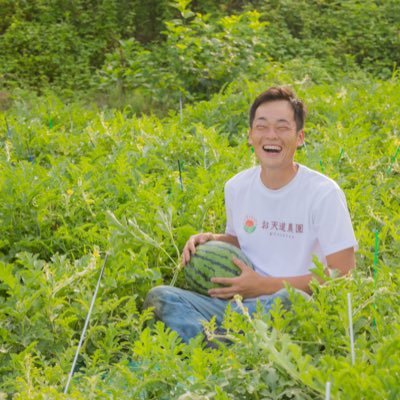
(270, 132)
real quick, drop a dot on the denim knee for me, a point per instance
(156, 298)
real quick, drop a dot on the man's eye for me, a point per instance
(282, 128)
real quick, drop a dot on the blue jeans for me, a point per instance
(183, 310)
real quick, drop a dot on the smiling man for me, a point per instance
(294, 213)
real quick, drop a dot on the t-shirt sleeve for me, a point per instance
(333, 224)
(230, 230)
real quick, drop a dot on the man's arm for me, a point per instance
(343, 261)
(252, 284)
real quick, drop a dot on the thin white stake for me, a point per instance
(85, 326)
(328, 391)
(353, 356)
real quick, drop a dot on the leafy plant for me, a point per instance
(77, 181)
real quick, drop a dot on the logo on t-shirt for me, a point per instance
(249, 224)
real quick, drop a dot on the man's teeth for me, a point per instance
(275, 149)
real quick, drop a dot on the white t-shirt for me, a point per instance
(280, 230)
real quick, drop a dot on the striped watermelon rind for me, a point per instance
(212, 259)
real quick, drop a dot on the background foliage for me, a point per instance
(125, 49)
(124, 146)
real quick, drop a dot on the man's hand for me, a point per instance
(194, 240)
(247, 284)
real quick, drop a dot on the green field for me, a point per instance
(80, 177)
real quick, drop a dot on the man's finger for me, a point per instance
(184, 258)
(242, 265)
(192, 248)
(185, 255)
(223, 281)
(223, 296)
(188, 250)
(223, 293)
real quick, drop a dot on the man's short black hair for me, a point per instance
(276, 93)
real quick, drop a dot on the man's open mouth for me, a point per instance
(272, 148)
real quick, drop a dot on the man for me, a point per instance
(294, 213)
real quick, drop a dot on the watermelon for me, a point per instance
(212, 259)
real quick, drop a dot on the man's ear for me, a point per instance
(300, 138)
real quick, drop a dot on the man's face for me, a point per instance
(274, 135)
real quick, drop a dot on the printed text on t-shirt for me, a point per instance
(283, 229)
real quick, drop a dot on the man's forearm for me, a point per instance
(343, 261)
(223, 237)
(269, 284)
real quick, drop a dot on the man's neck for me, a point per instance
(275, 179)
